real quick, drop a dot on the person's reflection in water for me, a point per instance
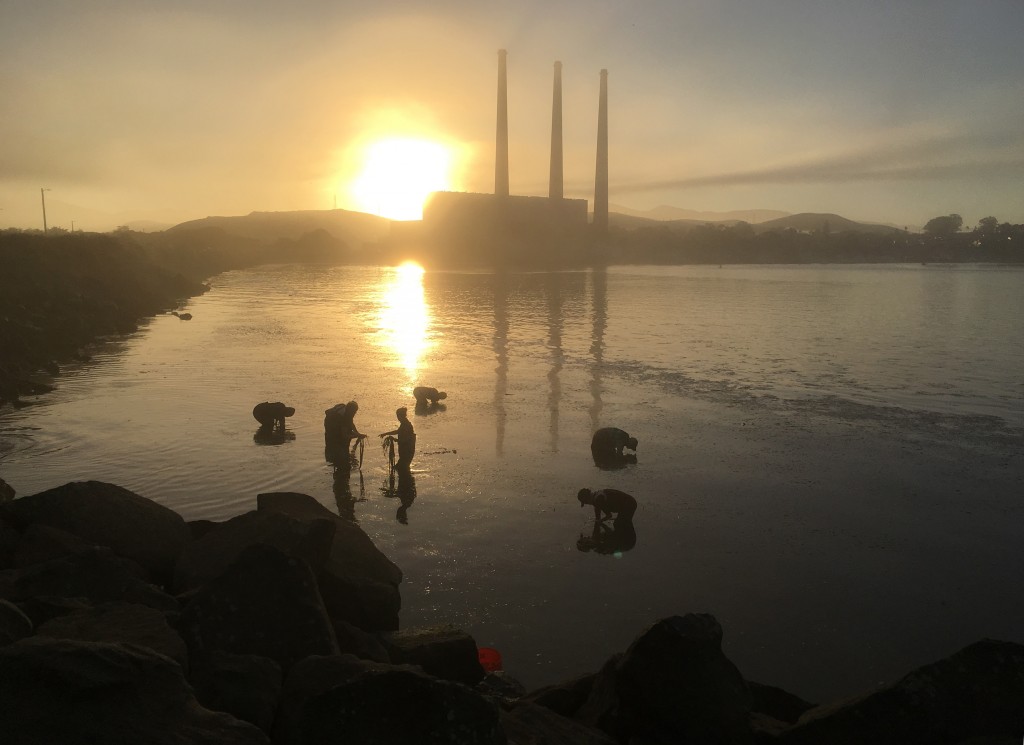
(613, 461)
(618, 539)
(342, 462)
(272, 436)
(426, 408)
(404, 490)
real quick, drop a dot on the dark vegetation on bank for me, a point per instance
(61, 291)
(121, 623)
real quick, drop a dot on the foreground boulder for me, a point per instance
(246, 686)
(266, 603)
(95, 576)
(976, 693)
(68, 692)
(207, 557)
(673, 685)
(119, 622)
(108, 515)
(401, 707)
(532, 724)
(358, 582)
(442, 651)
(14, 624)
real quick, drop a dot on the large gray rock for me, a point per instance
(531, 724)
(308, 679)
(975, 694)
(673, 685)
(208, 556)
(108, 515)
(82, 693)
(401, 707)
(14, 624)
(10, 537)
(41, 543)
(776, 703)
(442, 651)
(120, 622)
(567, 697)
(6, 491)
(359, 584)
(246, 686)
(95, 577)
(265, 603)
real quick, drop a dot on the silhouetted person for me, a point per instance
(406, 438)
(610, 502)
(425, 395)
(428, 400)
(271, 414)
(608, 442)
(619, 538)
(339, 432)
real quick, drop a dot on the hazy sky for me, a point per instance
(880, 110)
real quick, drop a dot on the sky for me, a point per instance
(890, 111)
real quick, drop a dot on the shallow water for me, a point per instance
(829, 459)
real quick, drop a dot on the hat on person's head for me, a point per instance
(289, 410)
(631, 443)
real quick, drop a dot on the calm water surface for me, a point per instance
(829, 461)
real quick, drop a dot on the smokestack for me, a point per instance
(555, 188)
(501, 149)
(601, 181)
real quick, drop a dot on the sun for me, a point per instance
(398, 174)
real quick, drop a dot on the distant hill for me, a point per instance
(353, 228)
(666, 213)
(818, 222)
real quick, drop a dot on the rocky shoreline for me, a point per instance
(122, 623)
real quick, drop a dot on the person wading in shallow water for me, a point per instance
(406, 438)
(608, 501)
(340, 430)
(271, 415)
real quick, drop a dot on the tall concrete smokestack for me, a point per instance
(555, 188)
(501, 148)
(601, 181)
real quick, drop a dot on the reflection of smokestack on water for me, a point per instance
(501, 148)
(601, 181)
(555, 188)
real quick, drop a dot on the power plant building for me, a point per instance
(509, 227)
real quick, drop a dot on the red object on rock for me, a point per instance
(490, 659)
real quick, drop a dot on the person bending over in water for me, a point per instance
(340, 428)
(424, 395)
(271, 415)
(608, 443)
(608, 501)
(406, 438)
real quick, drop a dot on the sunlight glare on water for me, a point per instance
(404, 318)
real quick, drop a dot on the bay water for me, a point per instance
(829, 460)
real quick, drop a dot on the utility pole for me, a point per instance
(42, 196)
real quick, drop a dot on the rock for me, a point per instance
(501, 686)
(79, 693)
(6, 491)
(207, 557)
(359, 584)
(96, 577)
(672, 685)
(246, 686)
(775, 702)
(401, 707)
(974, 694)
(531, 724)
(14, 624)
(132, 526)
(442, 651)
(10, 537)
(120, 622)
(41, 543)
(265, 603)
(45, 607)
(198, 528)
(308, 679)
(364, 645)
(565, 698)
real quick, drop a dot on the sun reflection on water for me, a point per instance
(405, 317)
